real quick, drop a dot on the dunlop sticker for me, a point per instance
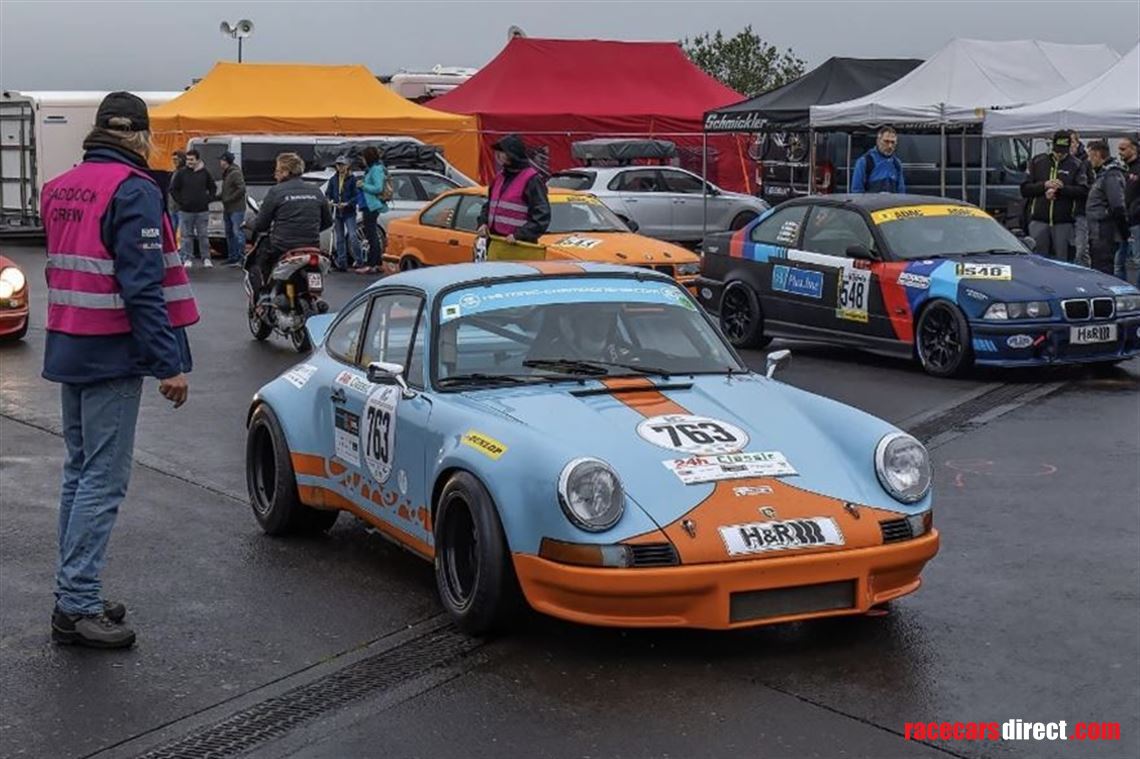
(488, 446)
(917, 212)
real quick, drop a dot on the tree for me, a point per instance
(746, 63)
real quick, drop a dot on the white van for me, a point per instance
(42, 136)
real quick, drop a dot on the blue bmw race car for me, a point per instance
(914, 277)
(580, 437)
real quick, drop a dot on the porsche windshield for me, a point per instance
(581, 214)
(935, 231)
(573, 329)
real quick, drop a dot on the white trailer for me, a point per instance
(420, 86)
(41, 136)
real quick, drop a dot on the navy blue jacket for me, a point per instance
(886, 174)
(351, 194)
(153, 348)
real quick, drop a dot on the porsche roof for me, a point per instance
(433, 279)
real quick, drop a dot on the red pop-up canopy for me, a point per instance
(555, 92)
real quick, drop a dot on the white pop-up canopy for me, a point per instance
(956, 86)
(1109, 104)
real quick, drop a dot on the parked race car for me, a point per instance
(581, 228)
(939, 281)
(665, 202)
(581, 437)
(13, 301)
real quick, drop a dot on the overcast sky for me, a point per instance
(161, 45)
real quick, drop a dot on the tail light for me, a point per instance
(314, 259)
(824, 176)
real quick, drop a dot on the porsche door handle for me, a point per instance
(338, 395)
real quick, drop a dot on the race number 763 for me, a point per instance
(378, 422)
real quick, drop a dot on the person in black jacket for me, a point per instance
(1055, 188)
(193, 188)
(1129, 151)
(1108, 220)
(294, 213)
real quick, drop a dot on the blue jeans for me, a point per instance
(1120, 260)
(345, 229)
(99, 432)
(195, 226)
(235, 236)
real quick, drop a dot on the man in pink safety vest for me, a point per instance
(517, 207)
(119, 301)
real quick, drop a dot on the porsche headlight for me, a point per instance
(1033, 309)
(687, 269)
(1127, 303)
(903, 467)
(14, 278)
(591, 494)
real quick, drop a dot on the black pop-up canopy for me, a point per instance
(786, 108)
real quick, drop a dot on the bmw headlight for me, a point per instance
(591, 494)
(903, 467)
(1033, 309)
(686, 269)
(14, 278)
(1127, 303)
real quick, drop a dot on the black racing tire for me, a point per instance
(272, 483)
(740, 221)
(473, 571)
(942, 340)
(409, 263)
(741, 318)
(300, 340)
(259, 329)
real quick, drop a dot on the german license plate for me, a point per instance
(1092, 333)
(316, 281)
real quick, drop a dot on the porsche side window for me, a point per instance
(781, 228)
(390, 327)
(470, 207)
(442, 214)
(344, 340)
(831, 231)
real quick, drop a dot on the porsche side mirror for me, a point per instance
(384, 373)
(1029, 242)
(860, 252)
(777, 360)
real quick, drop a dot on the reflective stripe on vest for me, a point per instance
(84, 296)
(507, 210)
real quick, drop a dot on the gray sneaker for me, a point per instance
(94, 631)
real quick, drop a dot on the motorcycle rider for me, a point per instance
(294, 213)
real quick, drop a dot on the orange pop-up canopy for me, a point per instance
(283, 98)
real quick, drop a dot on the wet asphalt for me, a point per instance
(1030, 611)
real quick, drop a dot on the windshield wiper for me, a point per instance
(595, 368)
(994, 251)
(478, 378)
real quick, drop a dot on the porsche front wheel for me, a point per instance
(942, 340)
(740, 317)
(272, 483)
(473, 570)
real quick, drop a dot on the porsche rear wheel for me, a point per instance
(272, 483)
(473, 570)
(942, 340)
(741, 319)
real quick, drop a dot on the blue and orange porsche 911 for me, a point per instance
(907, 275)
(580, 437)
